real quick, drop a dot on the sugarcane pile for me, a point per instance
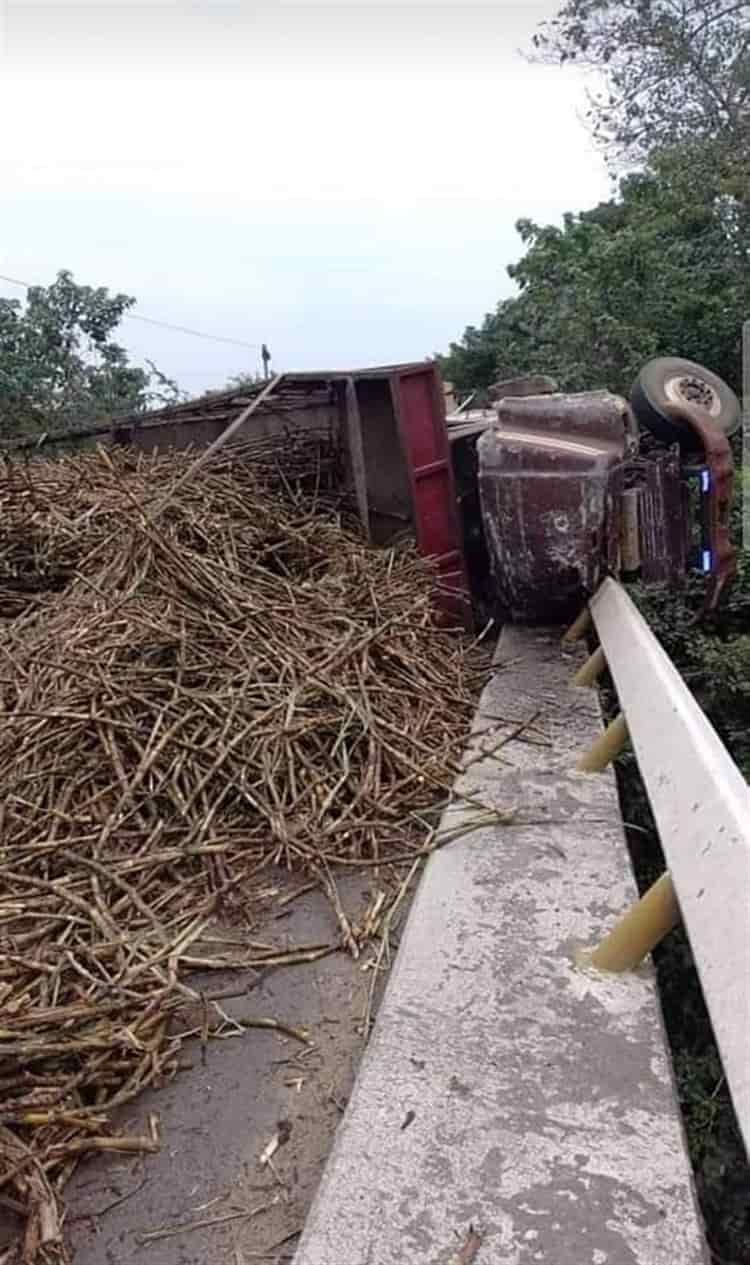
(201, 678)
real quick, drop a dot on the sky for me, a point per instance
(340, 181)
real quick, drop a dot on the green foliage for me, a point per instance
(656, 271)
(59, 366)
(246, 382)
(713, 1136)
(663, 268)
(711, 652)
(672, 72)
(713, 656)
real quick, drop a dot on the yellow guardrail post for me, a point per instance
(579, 627)
(605, 748)
(592, 669)
(639, 930)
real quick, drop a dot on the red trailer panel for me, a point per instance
(419, 406)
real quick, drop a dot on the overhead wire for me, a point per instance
(150, 320)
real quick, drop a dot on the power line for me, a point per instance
(149, 320)
(196, 333)
(14, 281)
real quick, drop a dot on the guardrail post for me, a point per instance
(606, 748)
(579, 627)
(639, 930)
(592, 669)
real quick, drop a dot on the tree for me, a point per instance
(59, 366)
(245, 382)
(652, 272)
(673, 71)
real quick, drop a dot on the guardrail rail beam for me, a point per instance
(701, 805)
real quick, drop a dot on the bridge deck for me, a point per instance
(505, 1091)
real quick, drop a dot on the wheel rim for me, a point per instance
(687, 388)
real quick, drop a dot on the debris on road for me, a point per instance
(185, 704)
(469, 1250)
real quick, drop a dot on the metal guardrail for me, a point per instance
(701, 804)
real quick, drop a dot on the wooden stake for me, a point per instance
(639, 930)
(605, 748)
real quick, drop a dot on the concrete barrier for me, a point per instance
(512, 1107)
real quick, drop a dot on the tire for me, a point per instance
(670, 380)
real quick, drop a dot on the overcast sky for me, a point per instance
(340, 181)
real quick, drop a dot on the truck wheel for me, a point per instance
(670, 380)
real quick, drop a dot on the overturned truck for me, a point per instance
(523, 506)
